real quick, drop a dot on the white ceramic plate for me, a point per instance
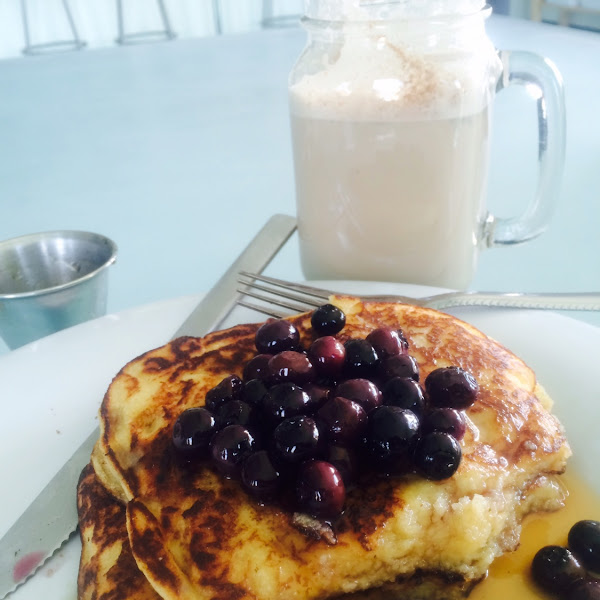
(50, 392)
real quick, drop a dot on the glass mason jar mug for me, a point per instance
(390, 108)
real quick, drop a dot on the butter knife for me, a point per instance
(52, 517)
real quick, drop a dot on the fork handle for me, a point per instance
(552, 301)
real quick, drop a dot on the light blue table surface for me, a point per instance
(180, 152)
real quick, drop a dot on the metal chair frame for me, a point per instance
(140, 37)
(216, 7)
(76, 43)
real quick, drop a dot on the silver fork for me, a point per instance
(296, 297)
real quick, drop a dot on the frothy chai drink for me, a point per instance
(391, 156)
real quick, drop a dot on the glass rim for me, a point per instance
(309, 22)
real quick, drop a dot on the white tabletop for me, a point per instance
(180, 151)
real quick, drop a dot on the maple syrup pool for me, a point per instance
(509, 576)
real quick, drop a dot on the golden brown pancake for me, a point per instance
(194, 534)
(108, 569)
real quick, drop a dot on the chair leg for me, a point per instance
(25, 25)
(75, 43)
(216, 7)
(166, 33)
(165, 18)
(71, 21)
(120, 22)
(267, 10)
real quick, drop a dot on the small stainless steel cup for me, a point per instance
(50, 281)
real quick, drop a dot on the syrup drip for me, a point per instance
(509, 575)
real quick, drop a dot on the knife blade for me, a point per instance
(51, 518)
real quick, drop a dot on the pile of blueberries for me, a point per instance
(568, 572)
(304, 424)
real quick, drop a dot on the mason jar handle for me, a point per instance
(544, 82)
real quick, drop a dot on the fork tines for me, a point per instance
(272, 292)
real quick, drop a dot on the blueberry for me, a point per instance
(361, 359)
(296, 439)
(256, 367)
(328, 355)
(555, 569)
(285, 400)
(318, 394)
(437, 455)
(451, 387)
(387, 341)
(400, 365)
(585, 589)
(344, 460)
(230, 447)
(227, 389)
(328, 320)
(275, 336)
(584, 542)
(447, 420)
(404, 392)
(234, 412)
(342, 421)
(291, 366)
(192, 432)
(260, 477)
(390, 437)
(361, 390)
(320, 489)
(253, 392)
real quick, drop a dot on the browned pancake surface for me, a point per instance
(107, 568)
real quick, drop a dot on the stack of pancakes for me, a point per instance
(152, 527)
